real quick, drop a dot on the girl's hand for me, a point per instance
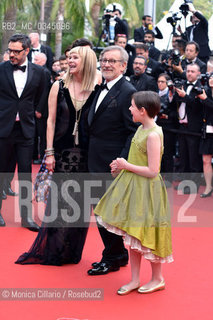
(50, 163)
(121, 163)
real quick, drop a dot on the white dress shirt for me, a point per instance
(20, 79)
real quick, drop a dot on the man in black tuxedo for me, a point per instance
(191, 53)
(111, 129)
(21, 92)
(147, 24)
(198, 32)
(140, 80)
(190, 125)
(38, 48)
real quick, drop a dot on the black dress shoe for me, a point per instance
(103, 268)
(4, 196)
(121, 263)
(2, 222)
(206, 195)
(29, 224)
(10, 192)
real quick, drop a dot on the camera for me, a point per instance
(173, 19)
(184, 8)
(170, 85)
(175, 57)
(204, 78)
(178, 83)
(163, 108)
(197, 90)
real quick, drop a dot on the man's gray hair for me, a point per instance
(123, 54)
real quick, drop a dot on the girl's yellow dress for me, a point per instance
(137, 207)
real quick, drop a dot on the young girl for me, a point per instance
(136, 205)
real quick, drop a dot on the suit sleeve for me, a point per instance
(137, 36)
(158, 33)
(129, 124)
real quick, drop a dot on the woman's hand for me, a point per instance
(50, 163)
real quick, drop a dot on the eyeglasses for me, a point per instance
(110, 61)
(15, 52)
(140, 63)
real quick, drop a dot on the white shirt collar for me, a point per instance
(111, 83)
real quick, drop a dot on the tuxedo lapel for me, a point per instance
(29, 76)
(93, 105)
(9, 74)
(112, 94)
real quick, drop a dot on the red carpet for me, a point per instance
(189, 280)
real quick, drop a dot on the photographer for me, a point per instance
(198, 32)
(190, 124)
(206, 144)
(168, 120)
(149, 40)
(147, 24)
(191, 53)
(113, 20)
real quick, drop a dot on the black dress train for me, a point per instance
(62, 242)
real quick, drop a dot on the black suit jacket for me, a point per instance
(111, 127)
(194, 109)
(144, 82)
(10, 103)
(200, 35)
(200, 63)
(48, 51)
(139, 34)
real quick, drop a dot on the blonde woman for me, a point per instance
(63, 240)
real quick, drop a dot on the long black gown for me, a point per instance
(63, 242)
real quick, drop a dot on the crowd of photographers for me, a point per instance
(183, 77)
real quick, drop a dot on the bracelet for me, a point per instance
(49, 155)
(49, 152)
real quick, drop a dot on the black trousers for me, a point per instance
(114, 252)
(22, 148)
(190, 159)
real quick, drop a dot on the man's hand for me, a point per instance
(178, 68)
(180, 92)
(203, 95)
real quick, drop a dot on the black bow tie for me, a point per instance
(189, 83)
(16, 67)
(35, 50)
(104, 86)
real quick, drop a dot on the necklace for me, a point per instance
(77, 116)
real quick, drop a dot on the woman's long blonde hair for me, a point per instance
(88, 68)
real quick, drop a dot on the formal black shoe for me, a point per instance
(2, 222)
(10, 192)
(29, 224)
(206, 195)
(4, 196)
(121, 263)
(103, 268)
